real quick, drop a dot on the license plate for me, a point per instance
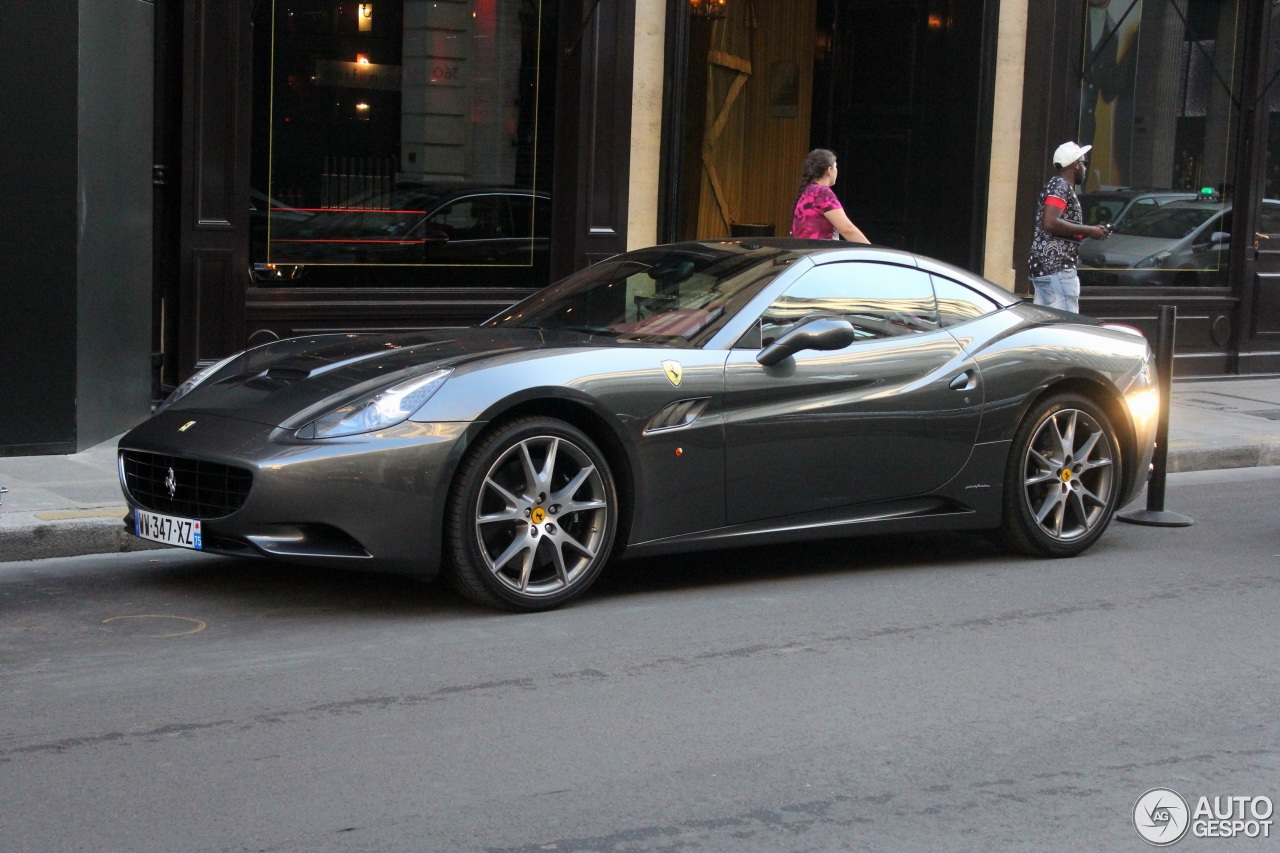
(183, 532)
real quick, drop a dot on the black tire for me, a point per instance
(531, 516)
(1063, 478)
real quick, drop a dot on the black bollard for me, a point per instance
(1155, 515)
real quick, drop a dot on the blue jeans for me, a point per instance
(1059, 289)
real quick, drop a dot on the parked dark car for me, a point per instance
(699, 395)
(413, 236)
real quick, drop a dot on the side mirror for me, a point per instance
(1220, 237)
(824, 333)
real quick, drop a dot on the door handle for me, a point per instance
(964, 382)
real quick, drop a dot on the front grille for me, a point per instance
(200, 489)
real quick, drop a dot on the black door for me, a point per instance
(894, 414)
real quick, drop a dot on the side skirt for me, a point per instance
(971, 501)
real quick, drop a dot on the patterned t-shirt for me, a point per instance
(1050, 253)
(807, 220)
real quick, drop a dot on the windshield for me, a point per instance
(1169, 222)
(668, 295)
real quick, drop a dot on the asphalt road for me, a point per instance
(929, 694)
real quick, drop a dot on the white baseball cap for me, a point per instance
(1068, 153)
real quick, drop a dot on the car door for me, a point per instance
(476, 228)
(893, 414)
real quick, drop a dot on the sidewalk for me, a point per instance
(64, 506)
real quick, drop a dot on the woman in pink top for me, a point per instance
(818, 213)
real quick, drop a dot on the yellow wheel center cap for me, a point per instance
(539, 515)
(1066, 475)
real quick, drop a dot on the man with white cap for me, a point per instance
(1059, 230)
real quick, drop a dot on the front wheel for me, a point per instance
(1063, 478)
(532, 516)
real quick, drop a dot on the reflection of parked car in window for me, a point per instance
(1118, 205)
(420, 235)
(1180, 244)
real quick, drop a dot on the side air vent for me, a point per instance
(678, 414)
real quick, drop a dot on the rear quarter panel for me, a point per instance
(1024, 351)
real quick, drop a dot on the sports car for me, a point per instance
(696, 395)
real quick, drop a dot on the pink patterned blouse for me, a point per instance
(808, 220)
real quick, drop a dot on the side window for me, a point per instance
(481, 217)
(880, 300)
(530, 216)
(542, 217)
(957, 303)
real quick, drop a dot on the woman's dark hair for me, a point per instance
(816, 164)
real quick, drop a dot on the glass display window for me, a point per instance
(402, 143)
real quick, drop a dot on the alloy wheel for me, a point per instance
(1069, 475)
(541, 516)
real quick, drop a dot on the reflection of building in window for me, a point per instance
(1107, 88)
(461, 91)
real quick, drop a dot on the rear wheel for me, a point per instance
(1063, 478)
(532, 516)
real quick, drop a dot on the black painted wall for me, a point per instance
(37, 230)
(75, 235)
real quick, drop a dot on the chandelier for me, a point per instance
(708, 10)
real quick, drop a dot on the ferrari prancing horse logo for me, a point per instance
(674, 371)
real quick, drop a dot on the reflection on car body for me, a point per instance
(657, 402)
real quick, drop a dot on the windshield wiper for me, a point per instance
(590, 330)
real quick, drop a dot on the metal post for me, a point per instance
(1155, 514)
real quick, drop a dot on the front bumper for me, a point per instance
(368, 501)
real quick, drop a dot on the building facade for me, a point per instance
(244, 171)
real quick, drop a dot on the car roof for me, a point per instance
(453, 190)
(1134, 192)
(830, 251)
(1196, 204)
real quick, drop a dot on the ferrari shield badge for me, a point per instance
(674, 371)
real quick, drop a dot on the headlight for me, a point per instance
(1143, 395)
(190, 385)
(378, 410)
(1159, 259)
(1144, 405)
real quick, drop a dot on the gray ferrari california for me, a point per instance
(698, 395)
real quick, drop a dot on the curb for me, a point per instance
(43, 540)
(1257, 455)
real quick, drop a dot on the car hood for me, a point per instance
(278, 383)
(1120, 250)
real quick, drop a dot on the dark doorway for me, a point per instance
(901, 93)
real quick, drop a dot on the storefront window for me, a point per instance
(402, 143)
(1159, 103)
